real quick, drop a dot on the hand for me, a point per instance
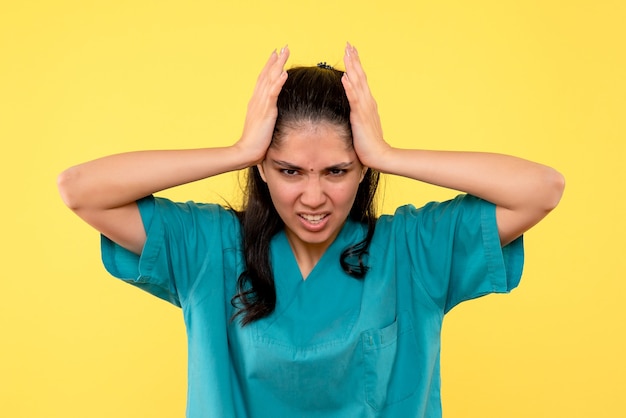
(262, 111)
(367, 132)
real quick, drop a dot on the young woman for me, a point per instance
(305, 304)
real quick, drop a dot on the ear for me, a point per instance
(261, 171)
(363, 171)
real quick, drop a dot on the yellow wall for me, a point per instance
(545, 80)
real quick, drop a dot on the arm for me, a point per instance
(524, 192)
(103, 192)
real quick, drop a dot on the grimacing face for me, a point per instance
(313, 174)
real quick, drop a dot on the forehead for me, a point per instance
(313, 146)
(313, 133)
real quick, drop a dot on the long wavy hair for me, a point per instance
(310, 95)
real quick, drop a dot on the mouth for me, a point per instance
(313, 222)
(313, 219)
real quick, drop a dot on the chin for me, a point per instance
(313, 239)
(320, 238)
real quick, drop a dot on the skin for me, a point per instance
(103, 192)
(313, 176)
(524, 192)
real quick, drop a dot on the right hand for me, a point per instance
(262, 111)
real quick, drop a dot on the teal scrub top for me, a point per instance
(335, 346)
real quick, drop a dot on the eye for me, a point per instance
(335, 172)
(289, 172)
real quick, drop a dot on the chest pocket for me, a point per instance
(390, 363)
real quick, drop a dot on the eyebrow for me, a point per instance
(290, 166)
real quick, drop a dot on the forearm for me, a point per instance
(523, 191)
(507, 181)
(118, 180)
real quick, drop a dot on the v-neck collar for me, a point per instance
(286, 265)
(287, 258)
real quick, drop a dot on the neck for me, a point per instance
(306, 255)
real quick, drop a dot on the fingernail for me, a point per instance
(282, 50)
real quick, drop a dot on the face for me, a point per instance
(313, 175)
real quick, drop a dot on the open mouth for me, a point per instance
(314, 219)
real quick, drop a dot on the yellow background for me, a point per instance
(544, 80)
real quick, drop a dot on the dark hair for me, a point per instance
(310, 95)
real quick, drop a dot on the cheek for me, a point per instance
(282, 193)
(345, 194)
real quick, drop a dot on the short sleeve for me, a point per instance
(455, 250)
(183, 240)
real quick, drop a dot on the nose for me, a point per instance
(313, 194)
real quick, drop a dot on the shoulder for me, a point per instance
(191, 209)
(190, 219)
(461, 205)
(435, 224)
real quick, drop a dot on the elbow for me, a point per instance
(554, 183)
(67, 184)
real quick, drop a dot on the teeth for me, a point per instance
(313, 218)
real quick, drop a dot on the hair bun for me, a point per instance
(325, 66)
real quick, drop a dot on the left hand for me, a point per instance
(367, 131)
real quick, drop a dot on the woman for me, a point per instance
(304, 304)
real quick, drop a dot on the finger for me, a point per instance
(347, 86)
(349, 79)
(355, 71)
(275, 63)
(263, 75)
(283, 56)
(268, 64)
(273, 72)
(347, 60)
(353, 65)
(355, 81)
(278, 74)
